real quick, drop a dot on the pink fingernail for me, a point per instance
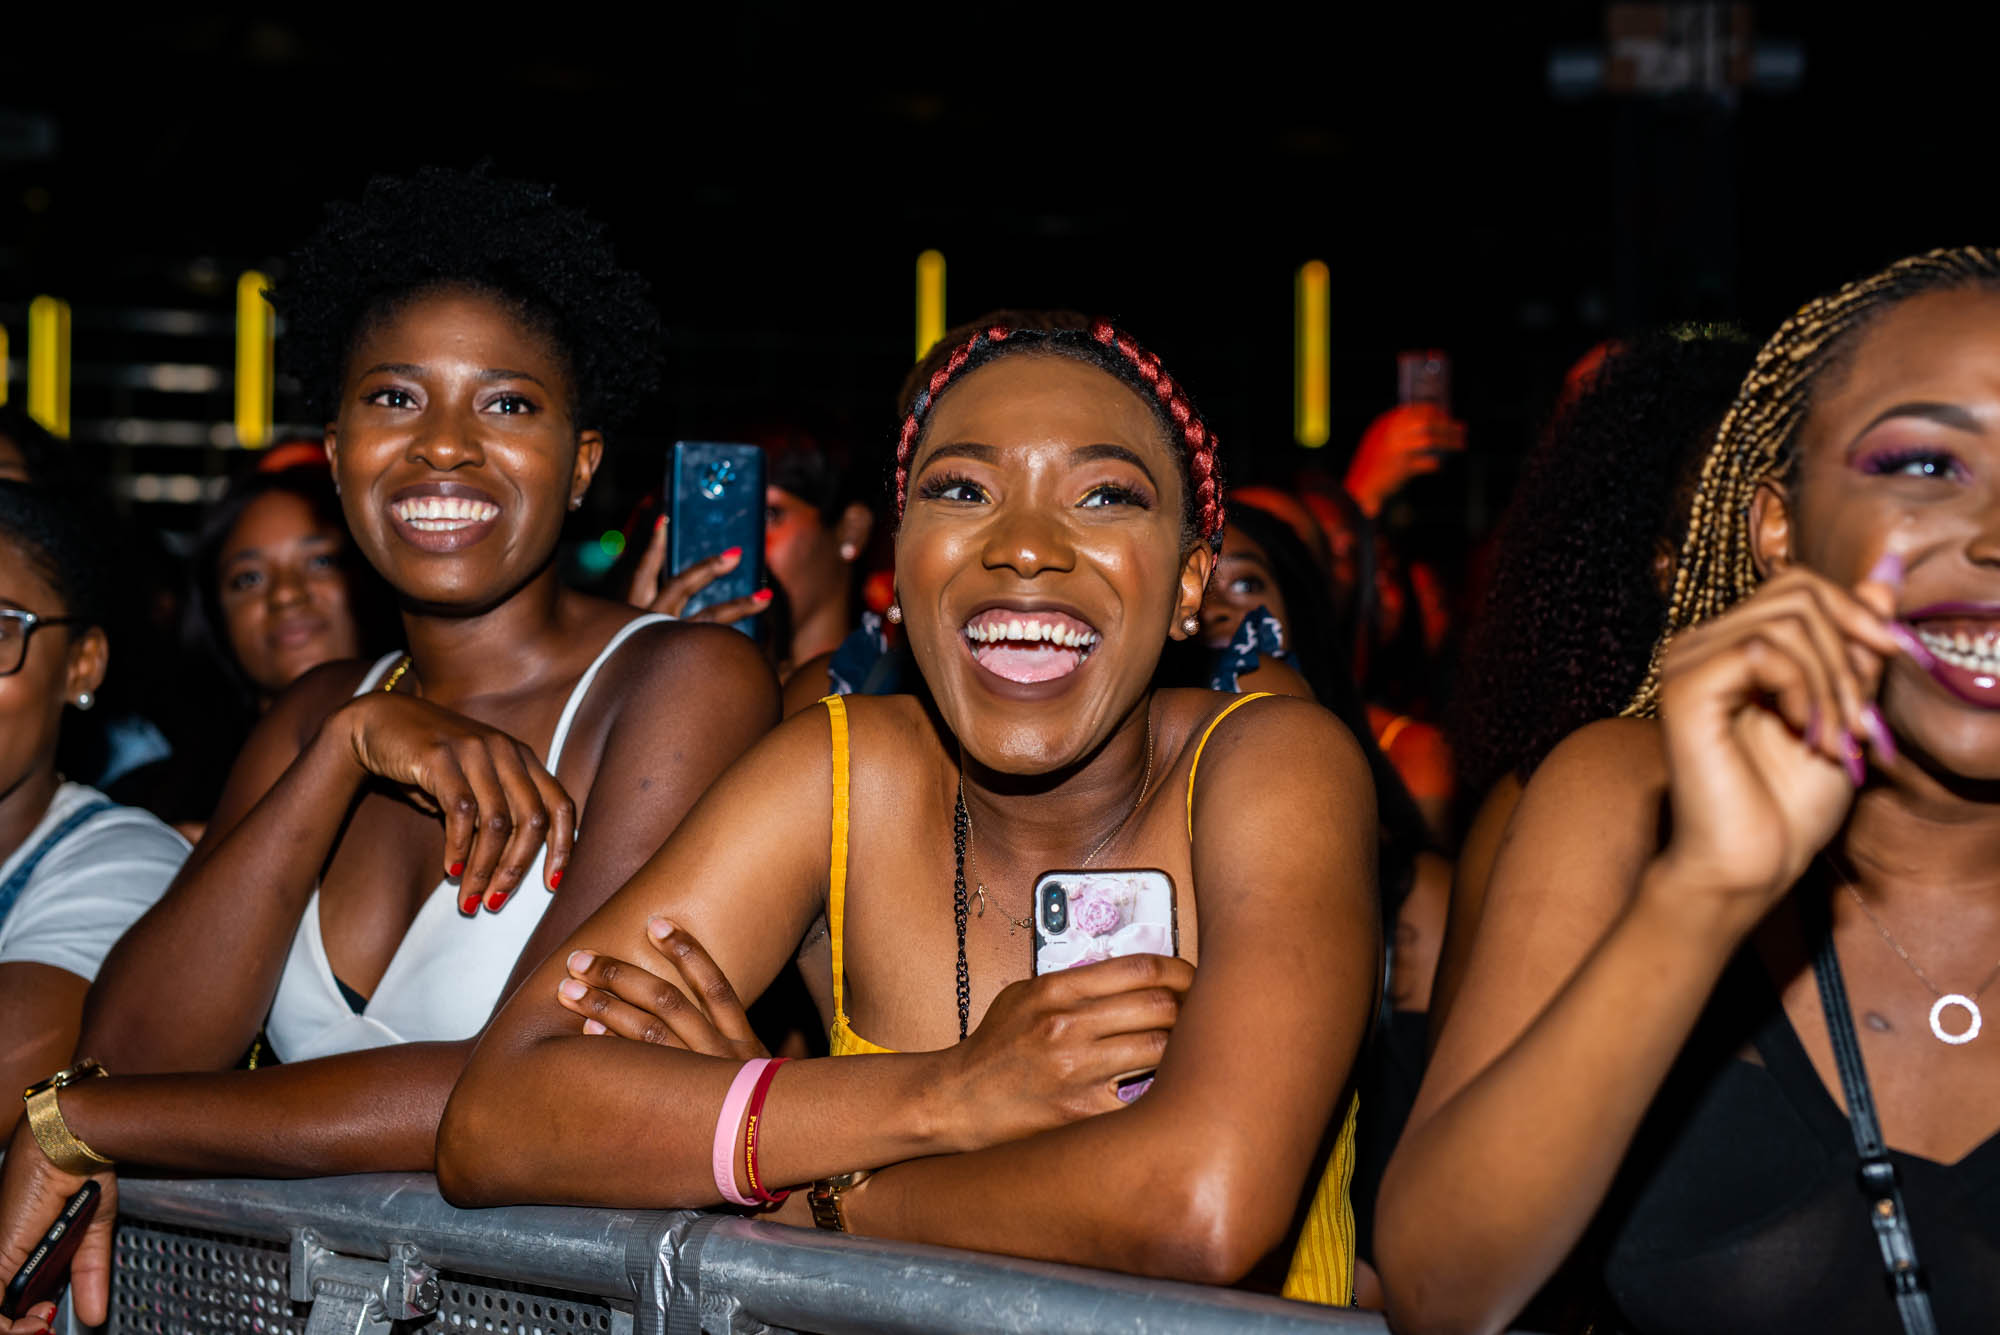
(659, 928)
(593, 1027)
(571, 989)
(1878, 733)
(732, 553)
(1888, 570)
(1850, 759)
(580, 960)
(762, 596)
(1906, 638)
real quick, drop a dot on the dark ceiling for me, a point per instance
(776, 168)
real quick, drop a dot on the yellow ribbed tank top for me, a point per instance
(1322, 1267)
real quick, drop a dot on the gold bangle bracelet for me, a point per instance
(61, 1146)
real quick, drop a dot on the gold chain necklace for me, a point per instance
(1945, 1000)
(395, 675)
(972, 854)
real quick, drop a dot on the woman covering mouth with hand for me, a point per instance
(1059, 504)
(398, 840)
(1733, 953)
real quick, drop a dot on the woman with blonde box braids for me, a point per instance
(1734, 952)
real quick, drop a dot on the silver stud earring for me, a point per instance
(1189, 625)
(84, 699)
(576, 502)
(895, 614)
(848, 551)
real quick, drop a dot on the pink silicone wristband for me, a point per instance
(723, 1157)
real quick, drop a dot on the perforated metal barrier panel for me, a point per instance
(467, 1304)
(168, 1280)
(172, 1280)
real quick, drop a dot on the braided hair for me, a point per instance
(1756, 442)
(1115, 352)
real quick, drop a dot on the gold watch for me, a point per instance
(45, 1119)
(825, 1199)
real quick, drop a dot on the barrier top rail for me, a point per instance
(683, 1272)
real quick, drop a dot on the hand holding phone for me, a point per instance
(1083, 917)
(42, 1276)
(715, 505)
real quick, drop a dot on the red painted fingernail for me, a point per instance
(470, 904)
(555, 879)
(762, 596)
(495, 900)
(732, 553)
(659, 523)
(455, 870)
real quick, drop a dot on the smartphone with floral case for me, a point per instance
(1082, 917)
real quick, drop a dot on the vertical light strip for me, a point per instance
(3, 365)
(254, 350)
(48, 364)
(1312, 377)
(930, 301)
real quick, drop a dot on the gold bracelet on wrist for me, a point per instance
(51, 1132)
(828, 1212)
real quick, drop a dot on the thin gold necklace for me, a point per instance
(1945, 1000)
(972, 854)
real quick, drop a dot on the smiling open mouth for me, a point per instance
(1029, 646)
(443, 514)
(1965, 648)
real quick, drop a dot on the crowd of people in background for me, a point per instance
(1555, 941)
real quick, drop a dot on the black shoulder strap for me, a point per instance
(1878, 1183)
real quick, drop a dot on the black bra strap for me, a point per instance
(1878, 1182)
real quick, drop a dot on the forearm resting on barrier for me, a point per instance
(571, 1119)
(370, 1111)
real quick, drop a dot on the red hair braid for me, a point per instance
(1197, 442)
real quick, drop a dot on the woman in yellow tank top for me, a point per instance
(1058, 501)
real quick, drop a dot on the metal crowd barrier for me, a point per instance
(360, 1254)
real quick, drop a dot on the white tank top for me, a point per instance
(445, 977)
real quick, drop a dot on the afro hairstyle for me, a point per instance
(1576, 601)
(441, 229)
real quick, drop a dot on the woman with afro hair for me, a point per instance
(398, 840)
(1584, 564)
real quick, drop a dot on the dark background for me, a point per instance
(776, 168)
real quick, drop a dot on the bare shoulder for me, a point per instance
(1614, 764)
(672, 664)
(305, 704)
(1278, 735)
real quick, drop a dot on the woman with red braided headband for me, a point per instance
(1058, 504)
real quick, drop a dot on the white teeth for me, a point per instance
(435, 514)
(1030, 630)
(1962, 649)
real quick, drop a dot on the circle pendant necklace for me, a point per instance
(1946, 1001)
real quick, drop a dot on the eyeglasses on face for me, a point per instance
(16, 628)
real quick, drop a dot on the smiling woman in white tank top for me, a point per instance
(397, 842)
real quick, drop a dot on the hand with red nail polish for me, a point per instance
(501, 809)
(655, 591)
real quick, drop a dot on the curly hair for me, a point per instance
(1118, 355)
(56, 537)
(440, 229)
(1576, 599)
(1755, 442)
